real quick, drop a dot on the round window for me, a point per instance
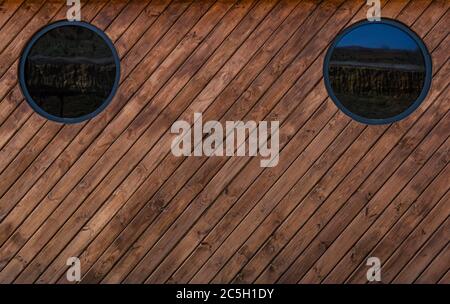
(377, 72)
(69, 71)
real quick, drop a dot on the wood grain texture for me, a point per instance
(110, 192)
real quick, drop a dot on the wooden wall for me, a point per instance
(110, 192)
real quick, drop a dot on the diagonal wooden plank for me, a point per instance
(402, 199)
(319, 227)
(8, 9)
(218, 36)
(431, 262)
(110, 191)
(418, 27)
(222, 29)
(204, 173)
(241, 107)
(437, 267)
(419, 234)
(77, 146)
(39, 189)
(11, 96)
(192, 16)
(239, 59)
(202, 29)
(267, 201)
(10, 54)
(27, 133)
(204, 230)
(238, 34)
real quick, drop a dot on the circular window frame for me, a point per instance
(24, 56)
(413, 106)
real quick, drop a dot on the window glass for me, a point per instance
(377, 72)
(69, 71)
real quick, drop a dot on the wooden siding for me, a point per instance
(110, 192)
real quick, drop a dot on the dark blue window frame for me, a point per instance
(24, 56)
(417, 102)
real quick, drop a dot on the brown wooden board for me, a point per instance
(110, 192)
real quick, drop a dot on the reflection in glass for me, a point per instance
(377, 71)
(70, 71)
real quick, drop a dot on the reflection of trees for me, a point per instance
(63, 88)
(74, 77)
(376, 93)
(70, 71)
(375, 82)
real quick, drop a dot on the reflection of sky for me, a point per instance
(376, 35)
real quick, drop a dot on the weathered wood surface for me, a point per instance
(110, 192)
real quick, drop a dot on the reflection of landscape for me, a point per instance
(376, 82)
(70, 71)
